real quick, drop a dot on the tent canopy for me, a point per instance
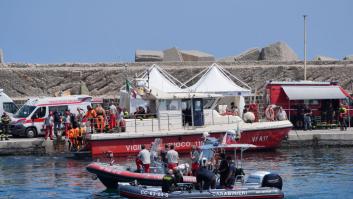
(157, 78)
(313, 92)
(218, 80)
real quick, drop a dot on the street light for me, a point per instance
(304, 46)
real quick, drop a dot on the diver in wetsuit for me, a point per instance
(205, 178)
(234, 172)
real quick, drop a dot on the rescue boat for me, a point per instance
(260, 184)
(179, 114)
(240, 192)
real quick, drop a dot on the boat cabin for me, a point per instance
(156, 95)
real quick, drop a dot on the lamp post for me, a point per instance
(304, 46)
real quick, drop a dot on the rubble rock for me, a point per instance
(323, 58)
(148, 56)
(194, 55)
(172, 55)
(278, 51)
(251, 54)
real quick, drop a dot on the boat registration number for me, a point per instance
(154, 193)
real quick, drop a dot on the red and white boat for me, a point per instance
(180, 115)
(265, 135)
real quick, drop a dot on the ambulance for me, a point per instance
(6, 104)
(28, 121)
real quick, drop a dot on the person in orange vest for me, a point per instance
(91, 116)
(100, 118)
(70, 133)
(112, 119)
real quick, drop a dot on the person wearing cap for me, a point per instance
(205, 178)
(172, 157)
(48, 125)
(195, 158)
(143, 159)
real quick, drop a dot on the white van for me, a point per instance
(6, 104)
(28, 121)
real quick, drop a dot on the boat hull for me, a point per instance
(110, 176)
(140, 192)
(266, 138)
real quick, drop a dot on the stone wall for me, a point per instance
(105, 79)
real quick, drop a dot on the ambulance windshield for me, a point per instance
(24, 111)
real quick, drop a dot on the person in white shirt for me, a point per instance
(143, 159)
(172, 157)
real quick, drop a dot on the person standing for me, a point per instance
(48, 125)
(144, 158)
(223, 170)
(173, 158)
(342, 118)
(195, 158)
(67, 120)
(307, 118)
(91, 116)
(100, 118)
(5, 120)
(164, 154)
(57, 122)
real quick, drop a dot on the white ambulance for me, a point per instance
(28, 121)
(6, 104)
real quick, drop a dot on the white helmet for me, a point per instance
(205, 134)
(204, 162)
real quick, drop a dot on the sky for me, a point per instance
(90, 31)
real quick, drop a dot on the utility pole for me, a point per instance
(304, 46)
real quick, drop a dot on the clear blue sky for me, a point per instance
(58, 31)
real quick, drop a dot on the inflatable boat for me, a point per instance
(111, 175)
(258, 185)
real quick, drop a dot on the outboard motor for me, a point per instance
(272, 180)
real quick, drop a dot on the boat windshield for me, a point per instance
(24, 111)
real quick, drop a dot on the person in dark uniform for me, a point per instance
(164, 155)
(5, 120)
(223, 170)
(233, 173)
(205, 178)
(169, 182)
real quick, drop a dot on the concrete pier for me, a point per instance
(319, 138)
(296, 139)
(31, 146)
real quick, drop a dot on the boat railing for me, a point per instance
(176, 121)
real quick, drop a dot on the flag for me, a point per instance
(130, 89)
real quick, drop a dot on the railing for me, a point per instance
(169, 122)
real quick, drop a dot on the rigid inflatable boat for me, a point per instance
(258, 185)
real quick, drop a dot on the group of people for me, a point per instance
(168, 156)
(202, 168)
(275, 113)
(329, 115)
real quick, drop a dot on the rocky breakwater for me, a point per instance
(103, 79)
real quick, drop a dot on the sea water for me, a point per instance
(306, 172)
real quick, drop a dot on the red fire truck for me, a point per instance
(323, 98)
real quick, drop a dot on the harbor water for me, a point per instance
(307, 173)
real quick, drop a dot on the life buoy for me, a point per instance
(270, 113)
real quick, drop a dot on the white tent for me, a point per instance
(219, 81)
(159, 79)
